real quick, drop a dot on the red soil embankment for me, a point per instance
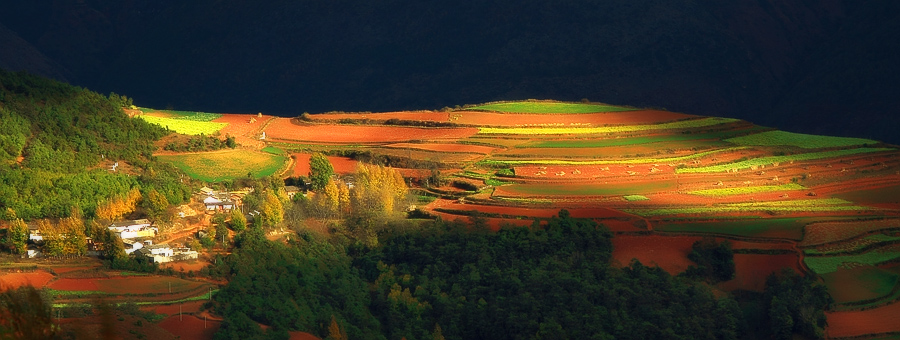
(283, 129)
(751, 270)
(189, 327)
(341, 165)
(35, 279)
(872, 321)
(667, 252)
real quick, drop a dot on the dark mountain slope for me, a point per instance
(761, 60)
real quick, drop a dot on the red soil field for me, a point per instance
(751, 270)
(493, 223)
(241, 129)
(761, 245)
(302, 336)
(427, 116)
(528, 212)
(190, 327)
(283, 129)
(36, 279)
(872, 321)
(578, 119)
(126, 285)
(185, 266)
(668, 252)
(63, 270)
(342, 165)
(187, 307)
(465, 148)
(74, 284)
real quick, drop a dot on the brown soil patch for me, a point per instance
(35, 279)
(667, 252)
(872, 321)
(190, 307)
(243, 131)
(751, 270)
(342, 165)
(302, 336)
(182, 266)
(284, 129)
(189, 327)
(426, 116)
(464, 148)
(825, 232)
(74, 284)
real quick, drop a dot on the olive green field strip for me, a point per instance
(684, 124)
(548, 107)
(780, 138)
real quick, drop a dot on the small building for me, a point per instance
(132, 245)
(159, 253)
(34, 234)
(131, 225)
(291, 191)
(215, 204)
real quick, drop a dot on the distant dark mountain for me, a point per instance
(823, 66)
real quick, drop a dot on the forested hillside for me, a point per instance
(58, 144)
(449, 280)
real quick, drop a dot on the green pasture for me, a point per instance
(649, 160)
(224, 165)
(776, 138)
(187, 115)
(668, 138)
(830, 264)
(762, 161)
(549, 107)
(683, 124)
(746, 190)
(789, 228)
(185, 126)
(859, 283)
(613, 189)
(820, 205)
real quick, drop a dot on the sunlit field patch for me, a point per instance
(549, 107)
(746, 190)
(774, 138)
(185, 126)
(223, 165)
(685, 124)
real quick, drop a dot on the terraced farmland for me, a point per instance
(817, 204)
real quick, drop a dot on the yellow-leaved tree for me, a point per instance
(116, 207)
(378, 190)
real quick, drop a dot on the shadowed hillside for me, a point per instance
(798, 65)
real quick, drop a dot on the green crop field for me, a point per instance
(762, 161)
(549, 107)
(818, 205)
(859, 283)
(681, 137)
(790, 228)
(612, 189)
(746, 190)
(224, 165)
(684, 124)
(830, 264)
(775, 138)
(851, 245)
(493, 162)
(185, 126)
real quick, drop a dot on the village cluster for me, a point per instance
(138, 236)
